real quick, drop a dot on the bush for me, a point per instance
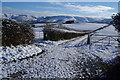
(55, 35)
(14, 33)
(70, 22)
(116, 21)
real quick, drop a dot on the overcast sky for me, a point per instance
(100, 9)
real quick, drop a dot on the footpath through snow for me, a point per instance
(63, 59)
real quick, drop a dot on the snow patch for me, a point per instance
(14, 53)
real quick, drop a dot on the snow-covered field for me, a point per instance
(81, 26)
(93, 26)
(84, 26)
(68, 59)
(63, 59)
(38, 24)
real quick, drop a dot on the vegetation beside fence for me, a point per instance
(14, 33)
(55, 35)
(52, 32)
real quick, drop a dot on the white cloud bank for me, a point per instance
(10, 10)
(99, 10)
(89, 9)
(48, 7)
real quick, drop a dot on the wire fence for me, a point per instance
(98, 39)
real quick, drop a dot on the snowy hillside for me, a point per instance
(21, 18)
(55, 19)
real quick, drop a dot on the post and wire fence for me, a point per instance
(100, 39)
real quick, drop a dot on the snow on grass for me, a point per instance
(65, 30)
(80, 26)
(62, 59)
(14, 53)
(93, 26)
(52, 65)
(57, 63)
(104, 52)
(84, 26)
(38, 25)
(109, 31)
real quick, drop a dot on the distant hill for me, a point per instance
(55, 19)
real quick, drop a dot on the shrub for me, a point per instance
(116, 21)
(14, 33)
(55, 35)
(70, 22)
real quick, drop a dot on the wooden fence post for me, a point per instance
(88, 39)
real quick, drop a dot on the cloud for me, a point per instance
(89, 9)
(10, 10)
(56, 3)
(93, 11)
(48, 7)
